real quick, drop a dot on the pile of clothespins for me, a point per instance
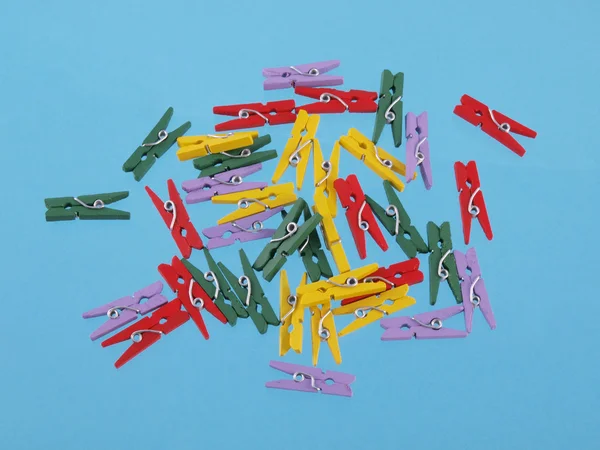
(370, 293)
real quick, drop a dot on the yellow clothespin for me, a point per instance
(322, 329)
(333, 242)
(255, 201)
(291, 313)
(373, 308)
(326, 172)
(375, 158)
(340, 287)
(296, 152)
(191, 147)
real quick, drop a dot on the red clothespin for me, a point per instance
(359, 214)
(396, 275)
(177, 219)
(334, 101)
(191, 295)
(252, 115)
(494, 123)
(472, 203)
(148, 330)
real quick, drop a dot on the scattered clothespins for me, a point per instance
(472, 203)
(311, 75)
(427, 325)
(325, 173)
(253, 115)
(442, 265)
(333, 241)
(307, 379)
(291, 316)
(85, 207)
(417, 148)
(389, 108)
(332, 101)
(191, 147)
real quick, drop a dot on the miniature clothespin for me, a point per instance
(311, 75)
(203, 189)
(325, 173)
(253, 115)
(191, 295)
(375, 307)
(359, 214)
(313, 257)
(287, 239)
(191, 147)
(396, 221)
(250, 293)
(148, 330)
(417, 148)
(389, 108)
(296, 152)
(332, 101)
(472, 205)
(322, 329)
(442, 265)
(176, 218)
(291, 316)
(215, 163)
(126, 309)
(85, 207)
(156, 144)
(493, 123)
(473, 288)
(428, 325)
(248, 229)
(307, 379)
(332, 239)
(256, 201)
(384, 165)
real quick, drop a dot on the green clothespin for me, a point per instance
(442, 265)
(389, 107)
(86, 207)
(288, 238)
(156, 144)
(249, 291)
(397, 222)
(314, 258)
(234, 159)
(216, 291)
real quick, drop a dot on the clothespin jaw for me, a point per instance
(417, 148)
(493, 123)
(308, 379)
(473, 288)
(325, 173)
(253, 115)
(313, 257)
(383, 164)
(389, 107)
(302, 75)
(359, 214)
(191, 147)
(375, 307)
(322, 329)
(429, 325)
(244, 156)
(333, 101)
(296, 152)
(472, 203)
(125, 310)
(156, 144)
(85, 207)
(256, 201)
(332, 239)
(148, 330)
(442, 265)
(291, 316)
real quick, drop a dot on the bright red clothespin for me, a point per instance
(494, 123)
(359, 214)
(252, 115)
(334, 101)
(177, 219)
(191, 295)
(148, 330)
(472, 203)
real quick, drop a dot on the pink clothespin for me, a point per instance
(417, 148)
(302, 75)
(312, 379)
(429, 325)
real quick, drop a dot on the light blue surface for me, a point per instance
(81, 83)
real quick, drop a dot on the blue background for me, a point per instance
(81, 83)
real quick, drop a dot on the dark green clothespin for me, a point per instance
(389, 107)
(313, 256)
(156, 144)
(396, 221)
(250, 293)
(288, 238)
(234, 159)
(86, 207)
(214, 285)
(442, 264)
